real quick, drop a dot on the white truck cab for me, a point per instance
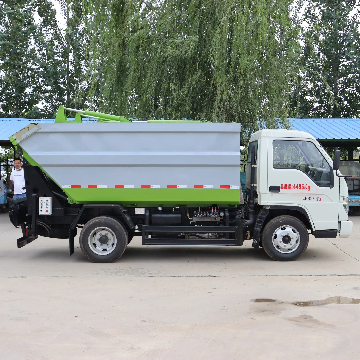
(294, 172)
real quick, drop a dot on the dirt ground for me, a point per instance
(179, 302)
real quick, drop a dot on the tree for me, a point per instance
(329, 83)
(6, 154)
(74, 55)
(42, 66)
(18, 58)
(200, 59)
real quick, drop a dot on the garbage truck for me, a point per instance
(175, 183)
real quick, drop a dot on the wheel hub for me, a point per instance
(102, 241)
(286, 239)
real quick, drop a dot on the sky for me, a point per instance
(59, 15)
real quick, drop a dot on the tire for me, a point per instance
(285, 238)
(103, 239)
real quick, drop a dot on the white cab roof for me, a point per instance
(281, 133)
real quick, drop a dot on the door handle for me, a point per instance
(274, 189)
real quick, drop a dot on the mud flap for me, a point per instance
(25, 240)
(72, 235)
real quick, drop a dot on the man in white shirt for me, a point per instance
(18, 180)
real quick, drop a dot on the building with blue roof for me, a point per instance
(340, 133)
(9, 126)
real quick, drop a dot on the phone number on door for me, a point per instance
(295, 187)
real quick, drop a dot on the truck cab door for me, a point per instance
(299, 175)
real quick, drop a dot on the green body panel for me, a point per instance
(149, 197)
(13, 141)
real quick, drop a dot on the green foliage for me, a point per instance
(200, 59)
(329, 83)
(231, 60)
(42, 65)
(6, 153)
(74, 55)
(18, 90)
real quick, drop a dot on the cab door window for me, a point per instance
(303, 156)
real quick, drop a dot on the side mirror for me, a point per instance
(336, 163)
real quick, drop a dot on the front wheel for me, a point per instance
(103, 239)
(285, 238)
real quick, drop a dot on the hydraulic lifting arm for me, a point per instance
(80, 114)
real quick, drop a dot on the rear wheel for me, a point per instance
(285, 238)
(103, 239)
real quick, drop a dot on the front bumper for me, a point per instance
(345, 228)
